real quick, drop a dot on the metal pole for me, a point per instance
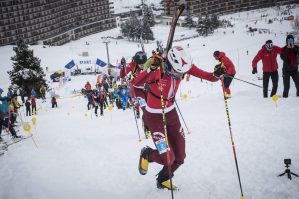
(107, 41)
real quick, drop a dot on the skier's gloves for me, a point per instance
(156, 61)
(219, 71)
(254, 70)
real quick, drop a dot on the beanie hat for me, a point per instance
(290, 39)
(216, 54)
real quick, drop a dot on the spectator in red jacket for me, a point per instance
(268, 54)
(33, 105)
(87, 87)
(230, 71)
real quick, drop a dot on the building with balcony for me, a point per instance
(207, 7)
(53, 22)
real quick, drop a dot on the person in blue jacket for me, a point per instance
(123, 93)
(4, 116)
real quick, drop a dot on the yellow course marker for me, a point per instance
(34, 123)
(27, 128)
(275, 99)
(185, 96)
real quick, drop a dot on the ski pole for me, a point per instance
(226, 75)
(232, 141)
(166, 136)
(137, 125)
(181, 116)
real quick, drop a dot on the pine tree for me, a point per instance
(201, 26)
(148, 16)
(188, 19)
(208, 25)
(205, 26)
(26, 73)
(296, 23)
(147, 33)
(215, 21)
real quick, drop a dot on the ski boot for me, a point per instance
(163, 182)
(143, 160)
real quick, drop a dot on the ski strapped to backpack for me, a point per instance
(177, 13)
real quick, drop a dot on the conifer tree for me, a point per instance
(148, 16)
(188, 19)
(27, 73)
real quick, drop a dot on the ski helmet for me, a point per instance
(179, 59)
(269, 45)
(140, 57)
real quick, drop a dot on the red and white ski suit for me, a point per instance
(230, 70)
(153, 115)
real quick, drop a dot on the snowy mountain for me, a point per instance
(79, 155)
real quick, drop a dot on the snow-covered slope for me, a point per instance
(127, 5)
(83, 156)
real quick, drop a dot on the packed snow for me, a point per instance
(79, 155)
(120, 6)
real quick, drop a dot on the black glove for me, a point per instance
(219, 71)
(254, 70)
(156, 61)
(146, 87)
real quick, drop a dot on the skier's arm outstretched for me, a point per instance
(202, 74)
(125, 70)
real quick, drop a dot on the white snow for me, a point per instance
(120, 6)
(83, 156)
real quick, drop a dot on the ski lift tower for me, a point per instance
(106, 41)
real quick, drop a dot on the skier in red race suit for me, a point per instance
(137, 92)
(170, 147)
(230, 68)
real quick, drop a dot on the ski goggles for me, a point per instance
(269, 45)
(290, 41)
(172, 73)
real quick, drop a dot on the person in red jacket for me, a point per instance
(162, 83)
(87, 87)
(268, 54)
(230, 70)
(33, 105)
(135, 67)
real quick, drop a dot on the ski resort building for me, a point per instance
(53, 22)
(208, 7)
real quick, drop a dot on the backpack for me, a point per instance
(4, 106)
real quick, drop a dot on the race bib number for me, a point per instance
(161, 145)
(142, 102)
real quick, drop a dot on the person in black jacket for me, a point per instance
(289, 55)
(28, 105)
